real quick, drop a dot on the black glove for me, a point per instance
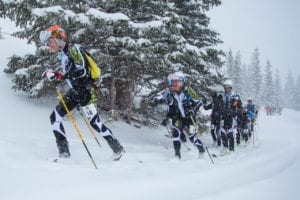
(204, 101)
(164, 122)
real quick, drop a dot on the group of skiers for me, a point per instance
(228, 117)
(230, 121)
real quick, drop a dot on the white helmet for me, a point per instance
(177, 77)
(228, 83)
(180, 76)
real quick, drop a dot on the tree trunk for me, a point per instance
(113, 97)
(131, 97)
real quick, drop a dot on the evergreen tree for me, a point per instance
(237, 73)
(297, 94)
(229, 63)
(136, 43)
(255, 76)
(278, 90)
(289, 91)
(268, 90)
(245, 82)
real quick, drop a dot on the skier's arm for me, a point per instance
(162, 96)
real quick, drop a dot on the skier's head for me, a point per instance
(176, 81)
(235, 100)
(54, 37)
(227, 85)
(249, 101)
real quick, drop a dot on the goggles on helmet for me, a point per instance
(54, 31)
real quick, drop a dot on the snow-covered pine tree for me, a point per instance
(278, 90)
(244, 82)
(268, 87)
(289, 91)
(297, 94)
(229, 63)
(137, 43)
(255, 77)
(237, 73)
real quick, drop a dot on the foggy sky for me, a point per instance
(272, 26)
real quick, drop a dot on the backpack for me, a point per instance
(77, 53)
(93, 68)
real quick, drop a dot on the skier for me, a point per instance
(252, 114)
(243, 125)
(74, 71)
(237, 109)
(183, 104)
(215, 118)
(228, 117)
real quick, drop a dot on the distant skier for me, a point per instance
(237, 110)
(74, 71)
(252, 113)
(183, 103)
(215, 118)
(229, 117)
(243, 122)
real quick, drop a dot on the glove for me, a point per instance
(157, 98)
(52, 75)
(164, 122)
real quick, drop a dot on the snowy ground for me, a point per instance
(267, 170)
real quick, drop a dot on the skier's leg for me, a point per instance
(175, 130)
(249, 129)
(94, 119)
(213, 132)
(238, 136)
(57, 127)
(224, 137)
(218, 131)
(230, 140)
(194, 139)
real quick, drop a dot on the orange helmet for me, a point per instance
(54, 31)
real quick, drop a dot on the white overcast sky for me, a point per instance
(273, 26)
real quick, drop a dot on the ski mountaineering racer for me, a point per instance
(74, 70)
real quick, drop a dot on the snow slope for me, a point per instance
(269, 169)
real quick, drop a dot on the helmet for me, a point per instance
(235, 98)
(228, 83)
(180, 76)
(54, 31)
(176, 79)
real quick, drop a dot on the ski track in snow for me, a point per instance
(148, 169)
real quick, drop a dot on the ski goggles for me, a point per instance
(175, 83)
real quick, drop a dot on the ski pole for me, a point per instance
(209, 155)
(253, 138)
(89, 126)
(71, 118)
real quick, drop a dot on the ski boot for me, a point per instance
(115, 145)
(201, 150)
(63, 146)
